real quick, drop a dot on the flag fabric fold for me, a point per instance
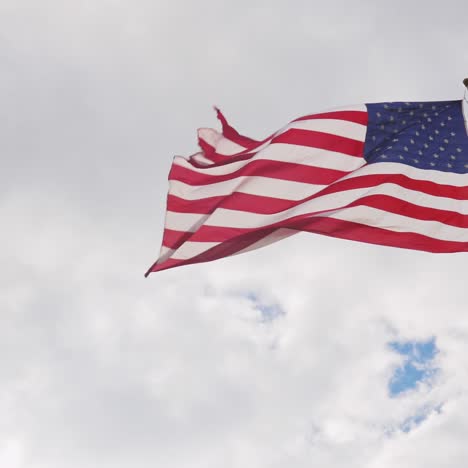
(393, 174)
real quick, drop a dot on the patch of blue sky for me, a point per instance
(414, 421)
(417, 367)
(269, 310)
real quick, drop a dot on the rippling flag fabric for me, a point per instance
(393, 173)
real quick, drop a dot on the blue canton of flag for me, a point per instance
(426, 135)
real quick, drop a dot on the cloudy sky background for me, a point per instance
(351, 355)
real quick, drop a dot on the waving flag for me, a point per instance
(392, 173)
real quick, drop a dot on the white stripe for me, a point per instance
(279, 234)
(284, 152)
(361, 108)
(312, 157)
(342, 128)
(218, 141)
(165, 253)
(198, 157)
(213, 137)
(364, 215)
(241, 219)
(253, 185)
(186, 222)
(437, 177)
(431, 175)
(191, 249)
(399, 223)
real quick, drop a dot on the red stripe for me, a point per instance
(232, 134)
(221, 160)
(385, 203)
(210, 153)
(268, 205)
(410, 210)
(222, 250)
(207, 150)
(381, 202)
(359, 117)
(321, 140)
(428, 187)
(263, 168)
(174, 239)
(293, 136)
(235, 201)
(330, 227)
(372, 235)
(220, 234)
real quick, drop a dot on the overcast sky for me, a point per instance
(350, 355)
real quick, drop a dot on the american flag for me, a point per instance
(391, 173)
